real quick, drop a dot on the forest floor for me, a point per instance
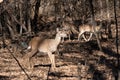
(78, 61)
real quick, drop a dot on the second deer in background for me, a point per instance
(88, 28)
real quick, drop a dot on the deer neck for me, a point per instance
(57, 39)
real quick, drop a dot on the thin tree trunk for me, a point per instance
(109, 21)
(12, 33)
(21, 24)
(117, 76)
(21, 18)
(0, 29)
(28, 13)
(36, 13)
(29, 25)
(83, 10)
(94, 24)
(101, 9)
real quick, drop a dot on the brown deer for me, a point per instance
(46, 46)
(88, 28)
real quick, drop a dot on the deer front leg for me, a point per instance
(52, 59)
(79, 36)
(69, 37)
(84, 37)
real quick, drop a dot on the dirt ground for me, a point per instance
(76, 61)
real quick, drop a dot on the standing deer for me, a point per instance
(88, 28)
(46, 46)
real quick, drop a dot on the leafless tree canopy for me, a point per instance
(17, 17)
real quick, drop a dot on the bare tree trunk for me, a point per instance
(21, 24)
(37, 5)
(109, 20)
(28, 9)
(117, 76)
(94, 24)
(6, 23)
(101, 9)
(119, 3)
(29, 20)
(0, 29)
(83, 10)
(10, 29)
(21, 18)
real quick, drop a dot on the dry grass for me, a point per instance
(100, 65)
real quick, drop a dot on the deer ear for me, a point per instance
(57, 29)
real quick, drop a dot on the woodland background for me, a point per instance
(22, 19)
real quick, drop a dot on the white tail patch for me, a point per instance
(29, 47)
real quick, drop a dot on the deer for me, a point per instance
(46, 46)
(1, 1)
(88, 28)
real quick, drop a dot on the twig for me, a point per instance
(18, 62)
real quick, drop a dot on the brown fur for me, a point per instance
(88, 28)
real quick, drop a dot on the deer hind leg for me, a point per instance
(90, 36)
(52, 59)
(79, 35)
(27, 59)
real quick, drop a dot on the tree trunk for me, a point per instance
(117, 76)
(0, 29)
(109, 20)
(10, 29)
(94, 24)
(101, 9)
(28, 13)
(21, 18)
(36, 13)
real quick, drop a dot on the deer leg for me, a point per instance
(30, 54)
(52, 59)
(62, 39)
(84, 37)
(27, 59)
(79, 35)
(90, 36)
(69, 37)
